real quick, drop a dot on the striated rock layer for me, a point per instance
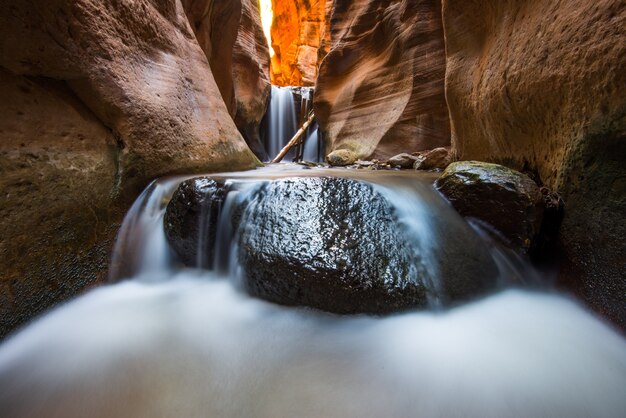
(296, 32)
(231, 36)
(380, 89)
(538, 85)
(99, 97)
(251, 75)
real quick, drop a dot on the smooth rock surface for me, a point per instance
(506, 199)
(231, 36)
(205, 16)
(138, 67)
(380, 89)
(251, 76)
(539, 85)
(337, 245)
(99, 98)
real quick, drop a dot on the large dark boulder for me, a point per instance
(337, 245)
(191, 220)
(504, 198)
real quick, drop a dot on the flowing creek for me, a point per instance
(163, 340)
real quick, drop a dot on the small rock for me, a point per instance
(362, 163)
(403, 160)
(341, 157)
(194, 199)
(437, 158)
(506, 199)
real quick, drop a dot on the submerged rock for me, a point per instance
(337, 245)
(191, 220)
(504, 198)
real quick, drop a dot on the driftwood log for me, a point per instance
(295, 140)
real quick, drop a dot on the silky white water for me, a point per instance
(168, 342)
(282, 125)
(282, 120)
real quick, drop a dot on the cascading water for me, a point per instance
(282, 120)
(193, 343)
(313, 147)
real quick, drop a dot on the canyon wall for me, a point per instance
(380, 89)
(99, 98)
(251, 76)
(231, 35)
(539, 85)
(297, 30)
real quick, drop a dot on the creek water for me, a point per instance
(161, 340)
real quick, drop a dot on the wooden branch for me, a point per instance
(294, 140)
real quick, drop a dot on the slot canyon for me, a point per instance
(312, 208)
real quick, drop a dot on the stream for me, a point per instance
(163, 340)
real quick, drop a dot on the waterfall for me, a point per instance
(168, 341)
(288, 109)
(313, 146)
(282, 120)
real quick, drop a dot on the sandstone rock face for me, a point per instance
(138, 67)
(57, 177)
(100, 97)
(297, 30)
(231, 36)
(251, 75)
(506, 199)
(539, 85)
(380, 89)
(216, 24)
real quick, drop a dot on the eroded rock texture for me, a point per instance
(231, 36)
(380, 89)
(540, 85)
(216, 24)
(99, 97)
(297, 30)
(251, 75)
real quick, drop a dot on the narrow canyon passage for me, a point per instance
(312, 208)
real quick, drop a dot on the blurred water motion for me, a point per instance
(191, 343)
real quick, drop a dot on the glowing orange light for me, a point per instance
(266, 17)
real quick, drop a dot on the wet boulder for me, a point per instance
(337, 245)
(191, 220)
(506, 199)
